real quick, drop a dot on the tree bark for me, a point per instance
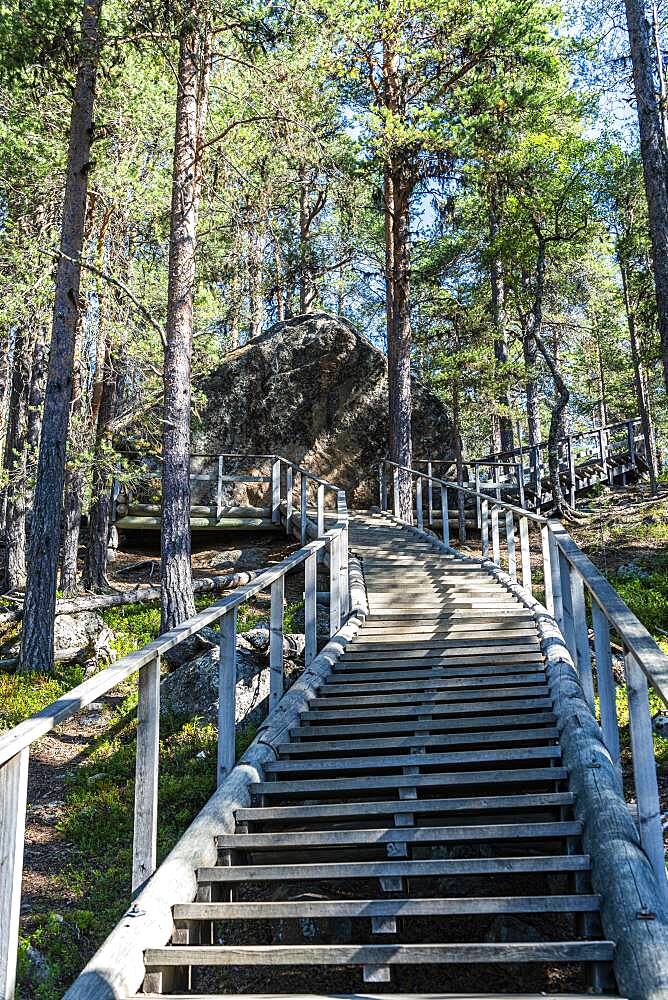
(652, 151)
(255, 300)
(75, 477)
(530, 350)
(40, 360)
(498, 297)
(37, 642)
(177, 601)
(95, 569)
(15, 464)
(640, 383)
(400, 343)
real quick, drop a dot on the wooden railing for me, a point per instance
(523, 470)
(581, 600)
(330, 545)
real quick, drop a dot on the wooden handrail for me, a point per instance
(15, 744)
(568, 575)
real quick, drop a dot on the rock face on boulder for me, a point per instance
(314, 390)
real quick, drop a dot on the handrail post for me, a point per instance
(510, 545)
(303, 513)
(276, 642)
(13, 799)
(345, 583)
(496, 544)
(430, 494)
(395, 491)
(632, 443)
(276, 491)
(547, 569)
(145, 837)
(644, 770)
(525, 554)
(581, 635)
(382, 487)
(219, 488)
(484, 528)
(418, 503)
(606, 683)
(571, 469)
(310, 608)
(567, 625)
(289, 487)
(520, 482)
(555, 573)
(227, 687)
(538, 477)
(321, 509)
(445, 514)
(478, 513)
(334, 584)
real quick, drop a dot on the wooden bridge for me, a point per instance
(432, 809)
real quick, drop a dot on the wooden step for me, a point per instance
(418, 674)
(446, 642)
(395, 686)
(443, 724)
(380, 954)
(396, 743)
(468, 707)
(333, 786)
(425, 696)
(398, 835)
(437, 651)
(384, 996)
(393, 869)
(440, 658)
(386, 907)
(398, 807)
(394, 761)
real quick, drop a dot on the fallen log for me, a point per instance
(141, 594)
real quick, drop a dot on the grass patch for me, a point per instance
(21, 695)
(97, 823)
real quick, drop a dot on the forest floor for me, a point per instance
(79, 821)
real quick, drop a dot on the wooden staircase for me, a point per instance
(416, 831)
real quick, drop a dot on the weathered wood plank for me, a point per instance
(366, 908)
(398, 835)
(322, 765)
(310, 748)
(339, 810)
(401, 869)
(381, 954)
(538, 775)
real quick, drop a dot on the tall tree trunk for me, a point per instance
(255, 298)
(95, 569)
(498, 297)
(178, 601)
(640, 382)
(530, 350)
(75, 478)
(15, 464)
(399, 345)
(652, 151)
(40, 360)
(37, 633)
(459, 461)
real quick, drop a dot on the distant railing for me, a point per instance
(567, 576)
(527, 466)
(330, 544)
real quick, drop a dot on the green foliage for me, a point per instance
(21, 695)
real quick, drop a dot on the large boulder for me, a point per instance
(313, 389)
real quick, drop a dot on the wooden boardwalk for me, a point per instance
(416, 832)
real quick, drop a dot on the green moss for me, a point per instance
(21, 695)
(647, 599)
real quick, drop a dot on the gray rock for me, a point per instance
(83, 637)
(632, 571)
(660, 724)
(315, 390)
(308, 930)
(192, 689)
(293, 642)
(39, 970)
